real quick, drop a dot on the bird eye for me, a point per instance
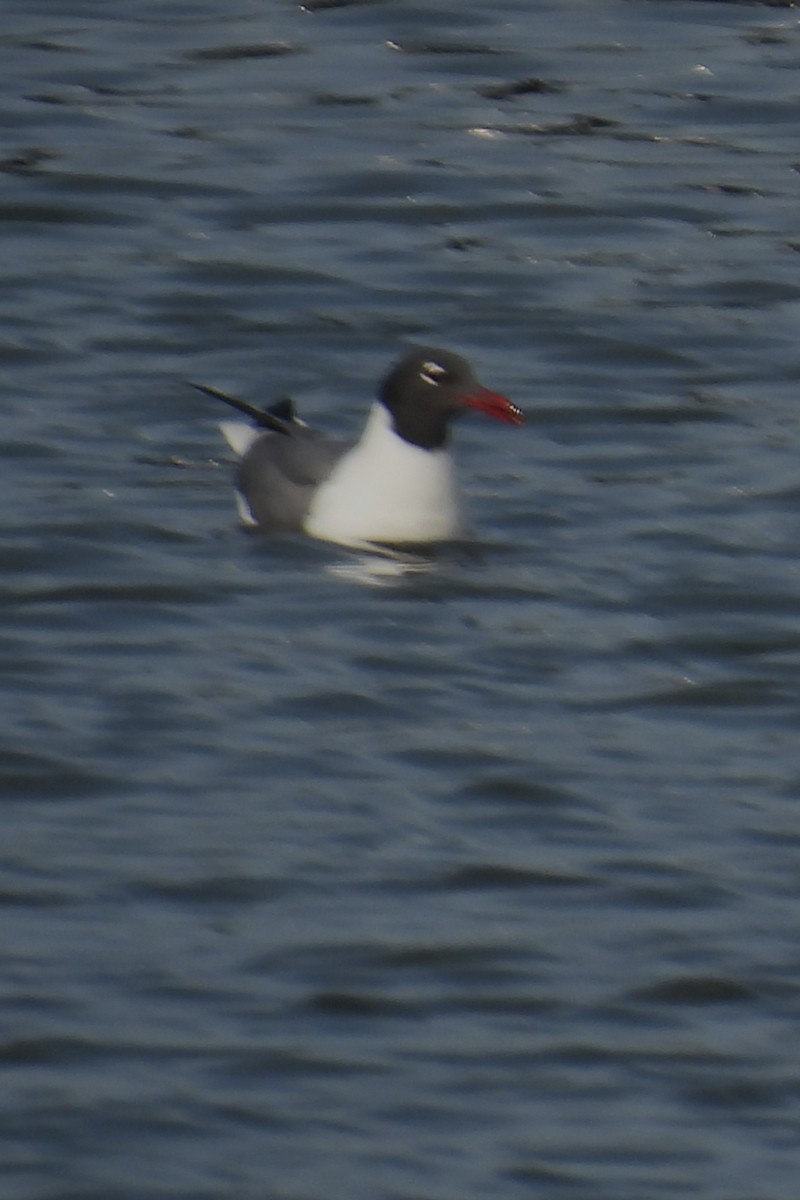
(432, 373)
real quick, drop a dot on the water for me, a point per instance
(319, 880)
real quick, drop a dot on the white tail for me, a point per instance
(239, 436)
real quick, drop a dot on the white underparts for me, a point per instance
(386, 490)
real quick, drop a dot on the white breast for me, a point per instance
(386, 490)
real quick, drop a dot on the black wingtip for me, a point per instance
(279, 418)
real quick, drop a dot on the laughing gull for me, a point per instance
(394, 486)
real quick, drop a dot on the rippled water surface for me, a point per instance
(321, 880)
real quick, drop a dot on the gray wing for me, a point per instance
(280, 473)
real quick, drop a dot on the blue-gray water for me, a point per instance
(475, 882)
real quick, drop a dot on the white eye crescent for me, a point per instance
(432, 373)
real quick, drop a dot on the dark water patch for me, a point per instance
(191, 133)
(742, 693)
(46, 44)
(581, 125)
(39, 777)
(26, 670)
(661, 887)
(69, 537)
(274, 1062)
(497, 803)
(395, 209)
(728, 189)
(158, 189)
(779, 837)
(784, 496)
(447, 758)
(236, 53)
(695, 989)
(29, 896)
(211, 891)
(619, 415)
(86, 95)
(730, 293)
(14, 215)
(20, 355)
(345, 100)
(540, 1175)
(319, 962)
(183, 993)
(740, 3)
(371, 182)
(767, 36)
(516, 790)
(87, 91)
(443, 48)
(418, 663)
(37, 450)
(730, 111)
(461, 966)
(689, 541)
(57, 98)
(593, 1169)
(253, 274)
(738, 1093)
(145, 594)
(701, 142)
(352, 1004)
(466, 243)
(519, 87)
(326, 5)
(699, 596)
(27, 160)
(722, 647)
(48, 1051)
(528, 1005)
(500, 876)
(330, 706)
(370, 197)
(651, 1054)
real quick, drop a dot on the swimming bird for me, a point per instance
(396, 485)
